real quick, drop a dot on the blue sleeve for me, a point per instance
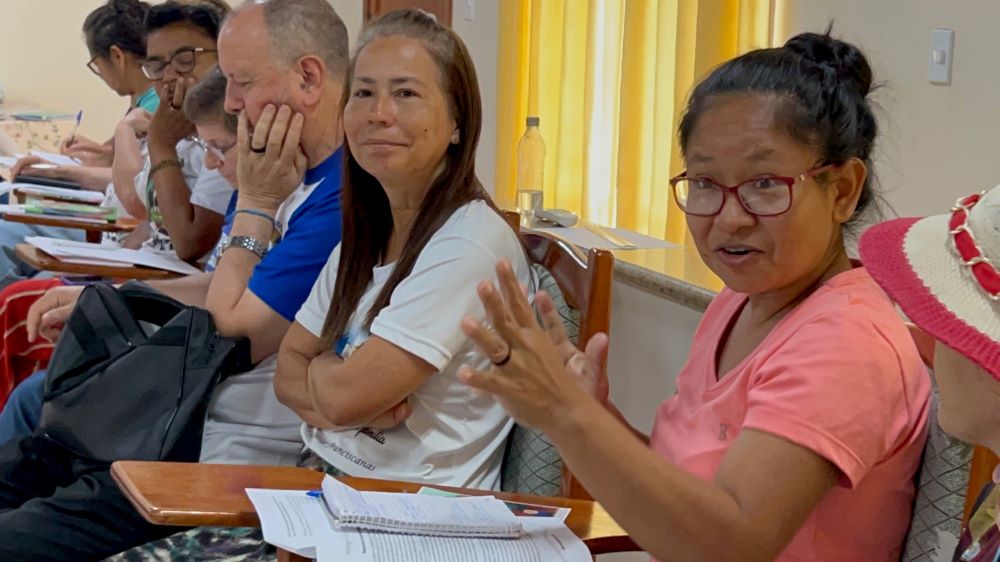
(285, 277)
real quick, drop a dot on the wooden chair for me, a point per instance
(44, 262)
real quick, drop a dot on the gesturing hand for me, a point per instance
(271, 163)
(587, 367)
(530, 376)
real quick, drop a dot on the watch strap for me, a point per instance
(247, 243)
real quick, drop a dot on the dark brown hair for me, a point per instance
(367, 218)
(823, 85)
(117, 23)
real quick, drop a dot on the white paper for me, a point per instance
(291, 519)
(62, 249)
(79, 195)
(57, 159)
(586, 239)
(545, 540)
(419, 513)
(9, 161)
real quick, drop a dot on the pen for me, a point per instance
(315, 493)
(76, 129)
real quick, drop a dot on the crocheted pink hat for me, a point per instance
(942, 271)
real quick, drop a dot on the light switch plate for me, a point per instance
(941, 57)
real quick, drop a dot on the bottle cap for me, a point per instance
(532, 121)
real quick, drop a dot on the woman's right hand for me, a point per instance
(88, 152)
(48, 315)
(587, 367)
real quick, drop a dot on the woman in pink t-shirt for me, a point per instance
(799, 419)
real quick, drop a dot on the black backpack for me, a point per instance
(114, 393)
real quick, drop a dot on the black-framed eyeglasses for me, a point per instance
(183, 62)
(92, 65)
(764, 196)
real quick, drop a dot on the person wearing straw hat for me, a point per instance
(942, 272)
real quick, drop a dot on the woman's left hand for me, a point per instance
(529, 374)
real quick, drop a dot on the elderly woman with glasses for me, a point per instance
(799, 419)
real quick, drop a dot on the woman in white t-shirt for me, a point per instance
(370, 363)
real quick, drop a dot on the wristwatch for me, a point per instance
(247, 243)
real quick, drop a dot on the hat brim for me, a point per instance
(913, 261)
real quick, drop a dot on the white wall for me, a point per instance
(939, 142)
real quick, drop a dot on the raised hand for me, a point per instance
(587, 367)
(529, 375)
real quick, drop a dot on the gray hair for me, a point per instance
(307, 27)
(205, 102)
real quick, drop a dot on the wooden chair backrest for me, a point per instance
(585, 280)
(983, 460)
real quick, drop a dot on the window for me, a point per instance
(608, 79)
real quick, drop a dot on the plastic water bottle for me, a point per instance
(530, 172)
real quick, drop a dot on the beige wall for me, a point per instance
(43, 58)
(939, 142)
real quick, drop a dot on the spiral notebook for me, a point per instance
(481, 516)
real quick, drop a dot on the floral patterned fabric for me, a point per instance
(37, 135)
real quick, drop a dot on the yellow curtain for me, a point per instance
(608, 80)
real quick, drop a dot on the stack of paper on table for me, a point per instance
(86, 253)
(43, 191)
(9, 161)
(345, 525)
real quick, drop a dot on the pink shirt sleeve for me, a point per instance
(835, 386)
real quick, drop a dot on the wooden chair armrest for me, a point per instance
(44, 262)
(190, 494)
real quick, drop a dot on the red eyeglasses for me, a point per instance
(765, 196)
